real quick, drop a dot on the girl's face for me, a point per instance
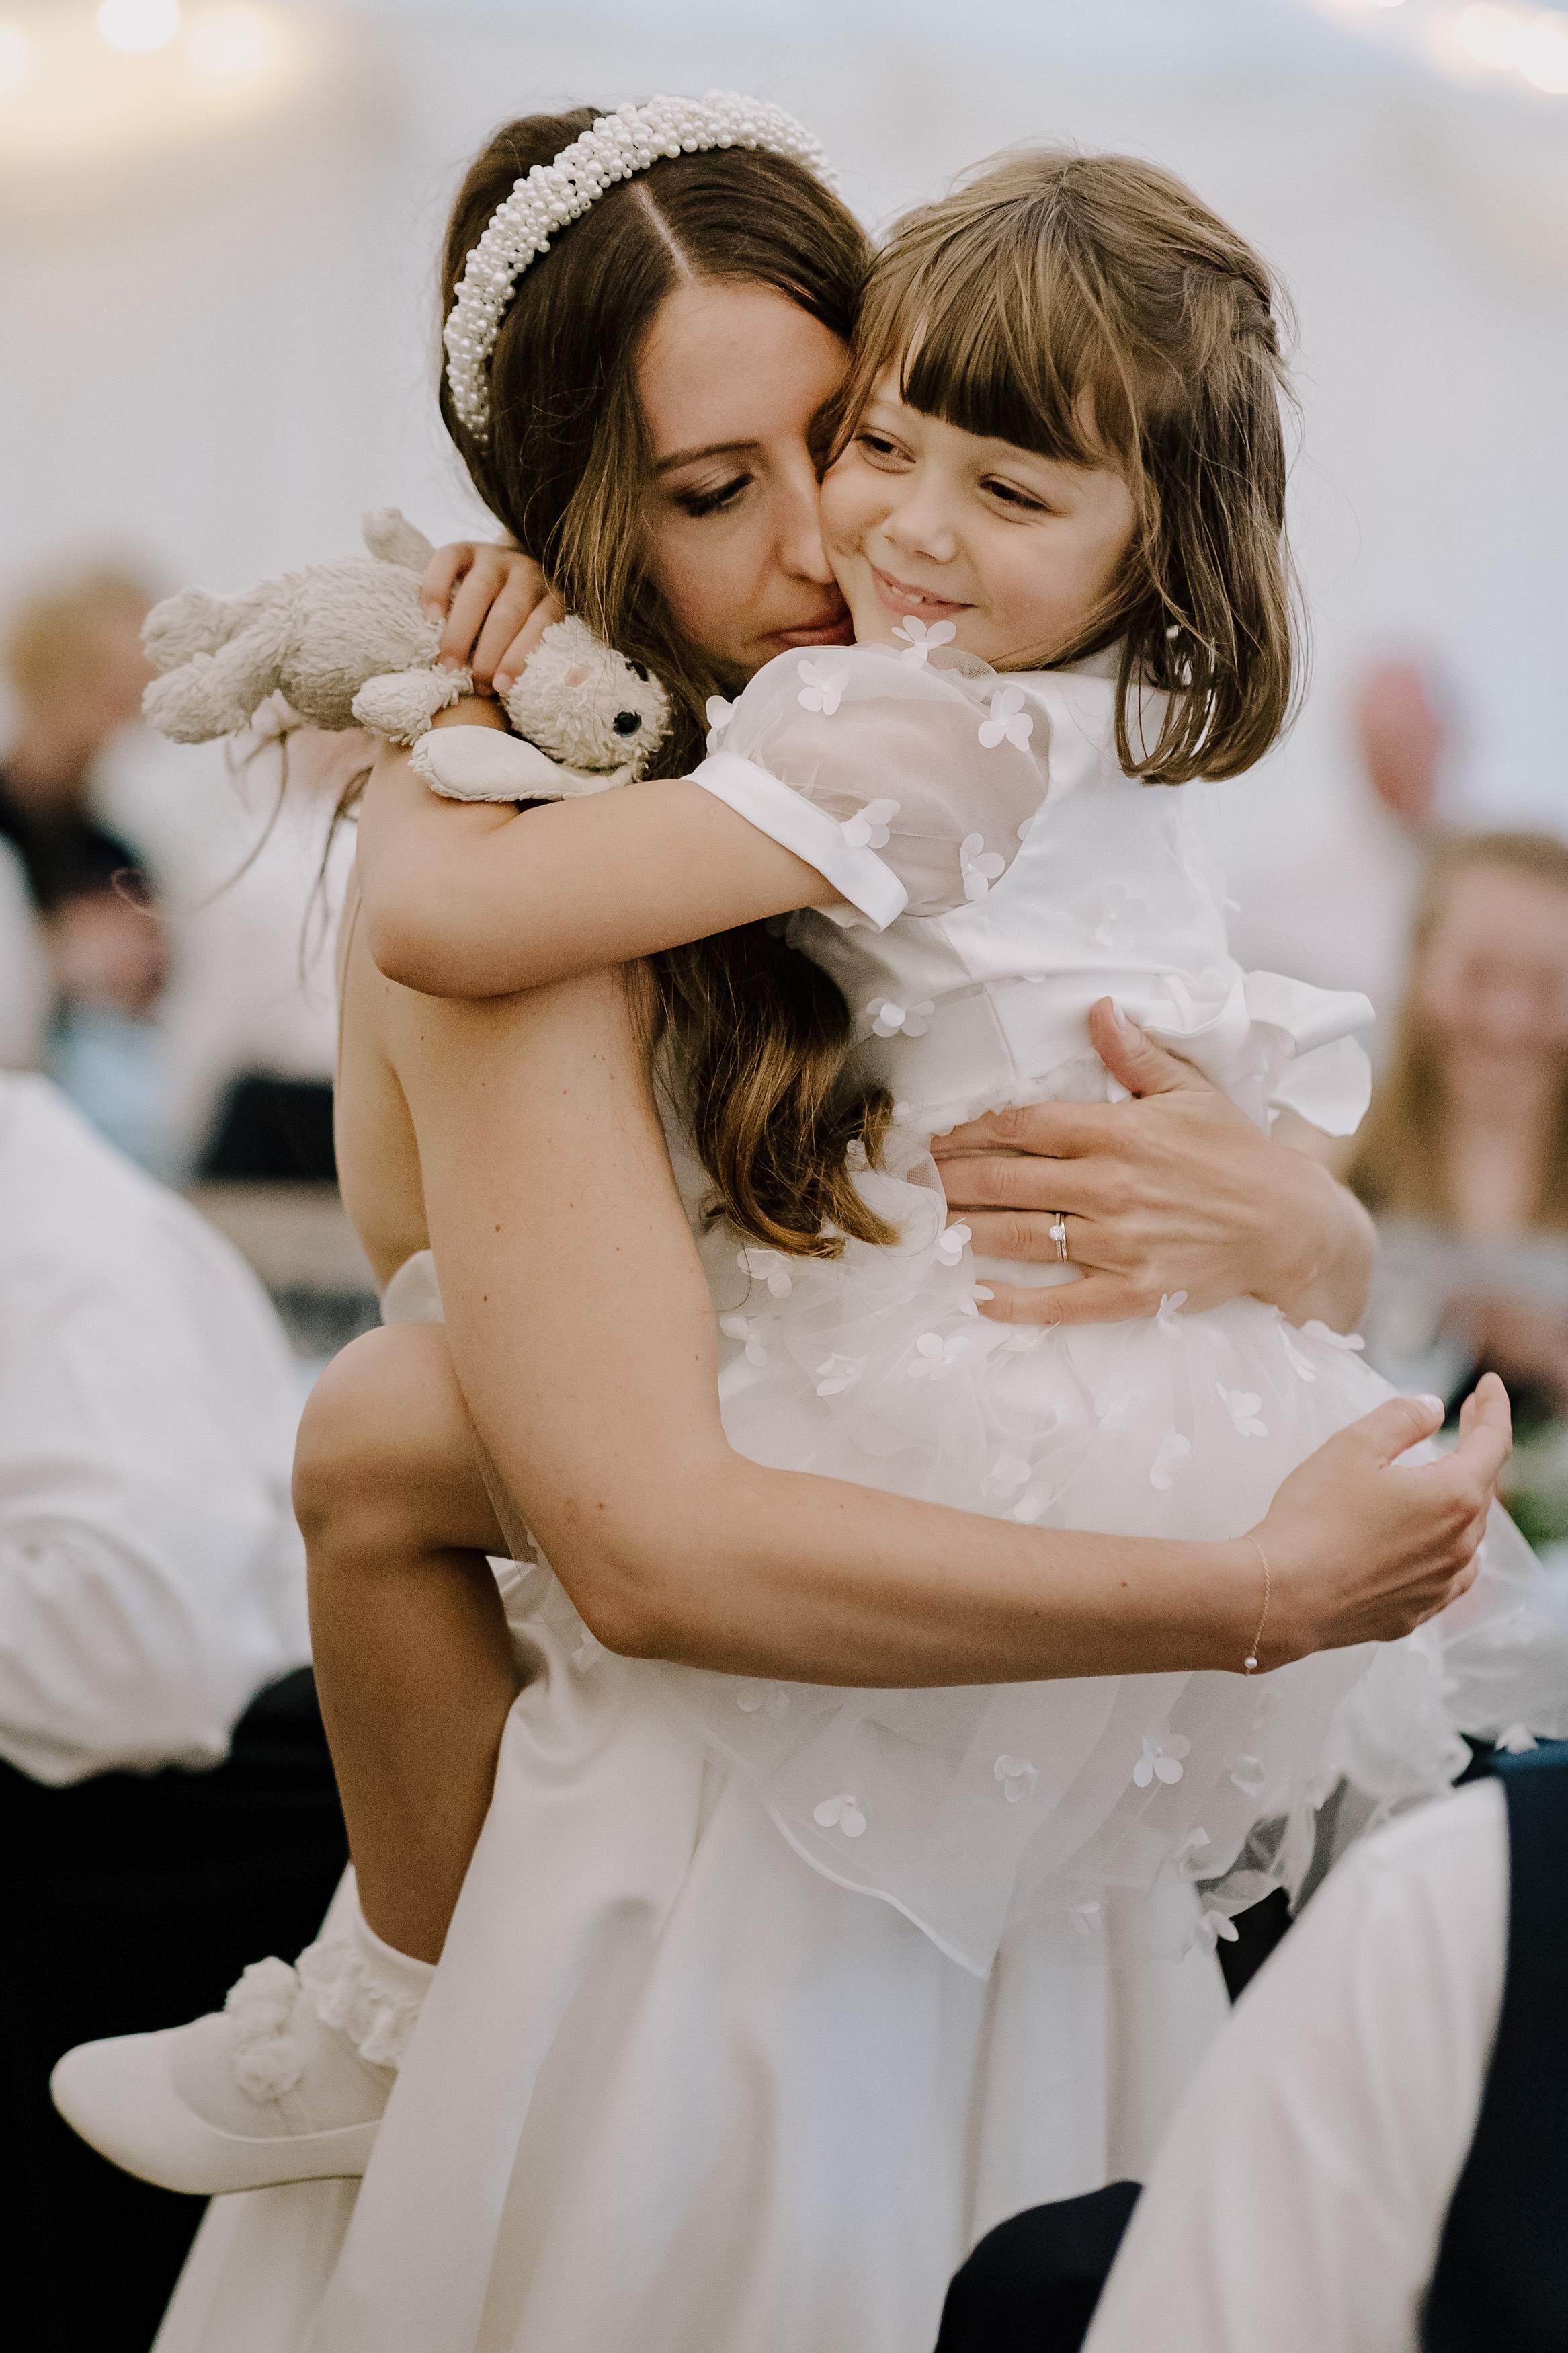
(730, 377)
(927, 521)
(1491, 986)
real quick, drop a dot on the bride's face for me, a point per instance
(730, 377)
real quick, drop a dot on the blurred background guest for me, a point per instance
(166, 1803)
(1463, 1157)
(255, 871)
(73, 662)
(163, 915)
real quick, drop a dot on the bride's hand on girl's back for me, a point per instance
(1363, 1547)
(495, 607)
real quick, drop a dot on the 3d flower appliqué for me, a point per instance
(890, 1020)
(952, 1243)
(1250, 1777)
(935, 1356)
(979, 866)
(1351, 1342)
(767, 1699)
(1017, 1778)
(1243, 1404)
(1165, 1316)
(1516, 1740)
(1010, 723)
(1172, 1453)
(921, 639)
(1160, 1760)
(1120, 913)
(1302, 1366)
(837, 1374)
(752, 1330)
(1006, 1476)
(718, 713)
(1192, 1846)
(839, 1813)
(868, 829)
(767, 1266)
(824, 687)
(1213, 1929)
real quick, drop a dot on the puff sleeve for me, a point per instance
(906, 786)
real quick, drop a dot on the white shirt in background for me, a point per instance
(1297, 2201)
(151, 1572)
(26, 988)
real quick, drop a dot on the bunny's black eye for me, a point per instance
(637, 671)
(627, 723)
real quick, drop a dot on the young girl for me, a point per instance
(844, 2085)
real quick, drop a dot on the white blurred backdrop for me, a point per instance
(218, 257)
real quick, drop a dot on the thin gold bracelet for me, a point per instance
(1249, 1664)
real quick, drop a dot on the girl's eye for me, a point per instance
(1011, 496)
(877, 445)
(698, 503)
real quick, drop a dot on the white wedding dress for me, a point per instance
(764, 2000)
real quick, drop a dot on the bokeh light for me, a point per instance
(139, 25)
(15, 56)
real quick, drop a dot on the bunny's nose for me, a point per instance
(627, 723)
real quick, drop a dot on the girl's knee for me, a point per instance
(368, 1425)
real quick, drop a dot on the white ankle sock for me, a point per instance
(364, 1988)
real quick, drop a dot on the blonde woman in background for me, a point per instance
(1463, 1158)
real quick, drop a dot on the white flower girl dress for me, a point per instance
(762, 1999)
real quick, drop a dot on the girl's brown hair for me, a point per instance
(760, 1035)
(1400, 1165)
(1087, 308)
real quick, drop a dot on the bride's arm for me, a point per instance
(582, 1336)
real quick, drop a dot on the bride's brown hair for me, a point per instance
(758, 1034)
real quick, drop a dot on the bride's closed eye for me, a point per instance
(714, 501)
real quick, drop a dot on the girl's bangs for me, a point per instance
(974, 357)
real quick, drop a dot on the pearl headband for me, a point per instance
(551, 195)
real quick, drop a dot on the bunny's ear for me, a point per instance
(392, 539)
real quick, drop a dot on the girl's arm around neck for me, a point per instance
(472, 899)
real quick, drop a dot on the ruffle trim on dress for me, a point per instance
(1270, 1042)
(345, 1994)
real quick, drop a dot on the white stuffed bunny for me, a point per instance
(349, 644)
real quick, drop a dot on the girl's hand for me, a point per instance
(1361, 1547)
(497, 609)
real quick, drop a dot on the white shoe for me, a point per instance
(255, 2094)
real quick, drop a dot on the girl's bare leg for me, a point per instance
(413, 1663)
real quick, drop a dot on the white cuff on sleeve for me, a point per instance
(787, 817)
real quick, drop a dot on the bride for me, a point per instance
(670, 2087)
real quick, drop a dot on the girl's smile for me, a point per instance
(899, 598)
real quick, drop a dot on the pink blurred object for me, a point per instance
(1403, 731)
